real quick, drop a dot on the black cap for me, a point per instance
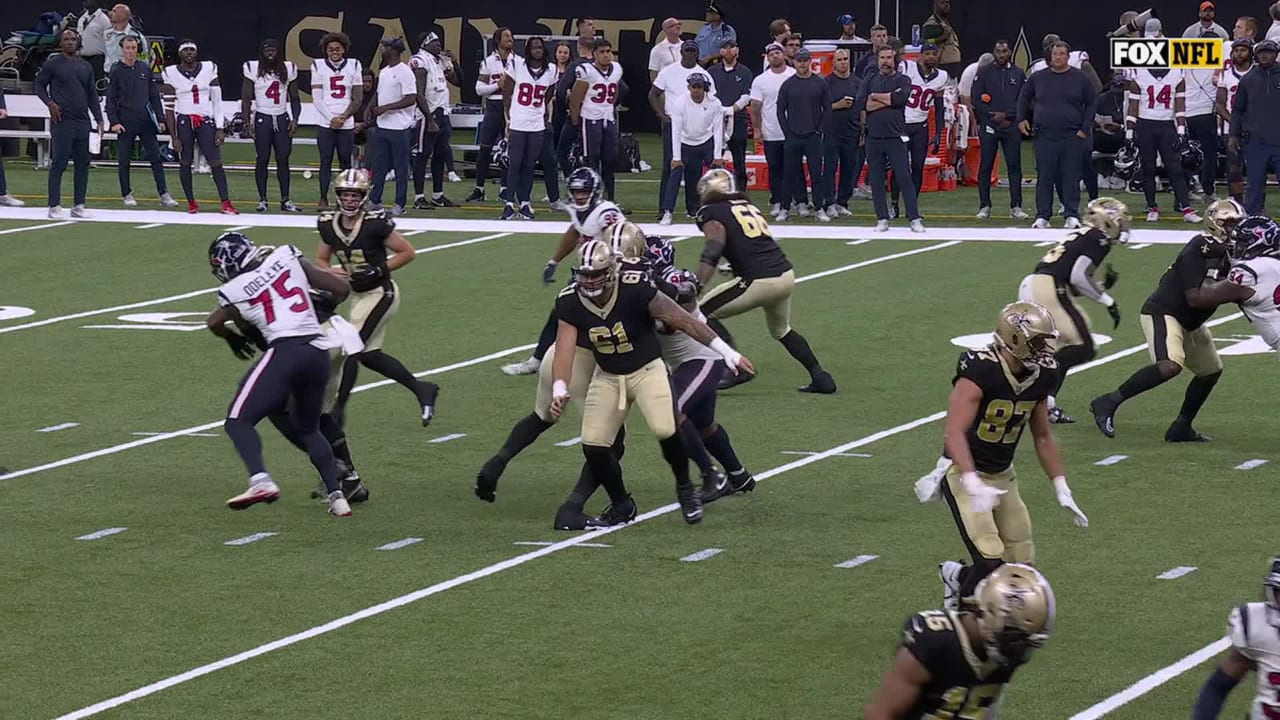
(715, 7)
(698, 80)
(394, 43)
(729, 42)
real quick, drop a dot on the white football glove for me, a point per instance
(982, 497)
(927, 486)
(1066, 501)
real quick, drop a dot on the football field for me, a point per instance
(131, 592)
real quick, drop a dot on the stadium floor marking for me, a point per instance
(90, 710)
(1153, 681)
(814, 452)
(702, 555)
(1112, 459)
(106, 532)
(150, 226)
(194, 434)
(238, 228)
(35, 227)
(1251, 464)
(447, 438)
(863, 241)
(60, 426)
(206, 291)
(465, 363)
(1175, 573)
(1140, 246)
(400, 544)
(570, 442)
(250, 538)
(855, 562)
(548, 543)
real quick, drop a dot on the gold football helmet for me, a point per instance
(597, 270)
(1221, 218)
(352, 188)
(1111, 217)
(1026, 329)
(1015, 612)
(717, 182)
(627, 240)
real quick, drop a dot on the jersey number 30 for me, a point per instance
(281, 288)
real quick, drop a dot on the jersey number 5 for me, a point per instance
(282, 289)
(337, 90)
(750, 220)
(1004, 420)
(611, 341)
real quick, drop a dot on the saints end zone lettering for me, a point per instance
(1166, 53)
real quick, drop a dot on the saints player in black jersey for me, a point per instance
(368, 249)
(956, 664)
(996, 391)
(1173, 320)
(1067, 270)
(737, 231)
(616, 305)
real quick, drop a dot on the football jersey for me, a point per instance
(364, 245)
(193, 93)
(622, 332)
(1230, 79)
(1201, 259)
(1061, 258)
(1262, 275)
(961, 684)
(679, 348)
(437, 87)
(532, 93)
(274, 297)
(920, 100)
(601, 100)
(748, 246)
(1254, 637)
(492, 68)
(1007, 404)
(1155, 95)
(332, 86)
(590, 224)
(1202, 91)
(270, 93)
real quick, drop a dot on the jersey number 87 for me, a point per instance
(1004, 420)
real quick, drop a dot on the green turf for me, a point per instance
(767, 629)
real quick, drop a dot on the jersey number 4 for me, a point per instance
(750, 220)
(273, 92)
(1004, 420)
(282, 290)
(1164, 98)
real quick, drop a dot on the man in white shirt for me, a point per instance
(667, 51)
(394, 113)
(336, 95)
(671, 85)
(1273, 32)
(92, 26)
(121, 27)
(433, 72)
(764, 118)
(697, 141)
(1206, 23)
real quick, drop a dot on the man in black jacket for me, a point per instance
(1064, 103)
(134, 111)
(803, 105)
(1253, 121)
(881, 100)
(66, 85)
(995, 102)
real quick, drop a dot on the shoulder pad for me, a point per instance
(324, 218)
(1238, 629)
(972, 364)
(569, 289)
(924, 632)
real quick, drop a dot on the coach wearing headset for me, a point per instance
(66, 85)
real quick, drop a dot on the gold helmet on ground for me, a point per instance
(597, 269)
(1221, 218)
(1015, 612)
(627, 240)
(350, 182)
(1026, 329)
(716, 182)
(1110, 216)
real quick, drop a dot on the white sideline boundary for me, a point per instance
(460, 580)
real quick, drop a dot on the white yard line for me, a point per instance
(814, 452)
(250, 538)
(238, 228)
(1175, 573)
(1251, 464)
(149, 226)
(878, 260)
(855, 562)
(36, 227)
(570, 442)
(519, 560)
(1153, 681)
(108, 532)
(447, 438)
(400, 544)
(548, 543)
(1112, 459)
(702, 555)
(56, 428)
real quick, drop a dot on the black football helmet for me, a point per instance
(1191, 155)
(584, 189)
(1126, 162)
(1255, 236)
(231, 254)
(662, 254)
(235, 129)
(501, 156)
(1271, 592)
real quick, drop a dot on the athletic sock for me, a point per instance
(693, 446)
(718, 445)
(1197, 392)
(528, 429)
(674, 453)
(389, 367)
(337, 439)
(583, 489)
(799, 348)
(1138, 383)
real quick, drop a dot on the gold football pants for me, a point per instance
(1002, 533)
(609, 397)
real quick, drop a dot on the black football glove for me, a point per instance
(326, 306)
(549, 272)
(937, 142)
(1109, 277)
(369, 278)
(1114, 312)
(242, 346)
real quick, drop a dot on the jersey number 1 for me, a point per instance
(281, 288)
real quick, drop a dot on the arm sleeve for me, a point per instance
(484, 88)
(113, 100)
(317, 95)
(1081, 279)
(1237, 110)
(824, 108)
(215, 98)
(717, 134)
(860, 102)
(980, 107)
(1090, 99)
(95, 101)
(677, 131)
(784, 103)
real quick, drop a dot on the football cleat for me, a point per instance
(524, 367)
(570, 519)
(1057, 417)
(421, 203)
(731, 380)
(443, 201)
(949, 571)
(714, 484)
(1181, 431)
(743, 482)
(613, 515)
(338, 504)
(261, 489)
(289, 207)
(1104, 414)
(487, 478)
(352, 486)
(822, 384)
(508, 212)
(263, 206)
(428, 392)
(526, 212)
(690, 503)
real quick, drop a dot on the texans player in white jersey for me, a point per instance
(336, 95)
(494, 125)
(1254, 631)
(268, 82)
(589, 216)
(269, 289)
(527, 90)
(927, 83)
(1254, 279)
(193, 106)
(1228, 81)
(594, 102)
(1157, 117)
(433, 73)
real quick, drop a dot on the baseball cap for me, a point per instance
(1266, 45)
(928, 46)
(1152, 28)
(774, 46)
(846, 19)
(729, 42)
(715, 7)
(394, 43)
(1242, 42)
(689, 45)
(802, 54)
(1207, 4)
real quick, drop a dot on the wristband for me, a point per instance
(559, 389)
(730, 355)
(1107, 300)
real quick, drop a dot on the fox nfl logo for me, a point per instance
(1166, 53)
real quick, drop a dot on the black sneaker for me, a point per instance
(1104, 414)
(1181, 431)
(690, 503)
(714, 485)
(614, 515)
(526, 212)
(443, 201)
(508, 212)
(570, 519)
(1057, 417)
(477, 195)
(427, 394)
(354, 488)
(487, 479)
(422, 204)
(742, 483)
(822, 384)
(731, 380)
(894, 213)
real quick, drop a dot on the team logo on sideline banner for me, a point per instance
(1166, 53)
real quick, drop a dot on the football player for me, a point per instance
(1157, 115)
(593, 106)
(269, 289)
(494, 124)
(589, 215)
(616, 306)
(927, 84)
(336, 94)
(193, 105)
(737, 231)
(368, 250)
(1173, 321)
(1066, 270)
(1254, 280)
(997, 391)
(1254, 629)
(268, 83)
(957, 664)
